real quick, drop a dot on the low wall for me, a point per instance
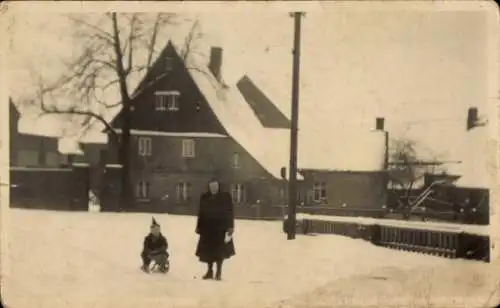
(469, 217)
(360, 212)
(445, 240)
(49, 188)
(250, 212)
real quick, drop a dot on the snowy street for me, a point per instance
(56, 259)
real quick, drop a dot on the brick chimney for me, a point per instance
(215, 63)
(379, 124)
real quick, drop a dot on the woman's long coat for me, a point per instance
(215, 218)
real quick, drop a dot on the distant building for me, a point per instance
(28, 150)
(347, 190)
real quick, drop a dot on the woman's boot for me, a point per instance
(210, 272)
(218, 274)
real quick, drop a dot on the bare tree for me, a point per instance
(406, 174)
(115, 48)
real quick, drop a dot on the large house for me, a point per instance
(188, 126)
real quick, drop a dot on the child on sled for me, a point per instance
(155, 250)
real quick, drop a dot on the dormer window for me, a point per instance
(161, 103)
(169, 64)
(167, 100)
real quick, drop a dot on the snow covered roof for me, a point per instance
(478, 166)
(238, 119)
(333, 148)
(267, 112)
(68, 146)
(338, 147)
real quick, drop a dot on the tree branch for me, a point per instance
(146, 86)
(152, 42)
(187, 51)
(73, 111)
(105, 63)
(188, 42)
(130, 43)
(108, 57)
(87, 113)
(96, 31)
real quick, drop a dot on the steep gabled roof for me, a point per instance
(269, 115)
(153, 76)
(338, 147)
(270, 146)
(13, 111)
(229, 107)
(341, 149)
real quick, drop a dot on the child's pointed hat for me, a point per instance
(154, 223)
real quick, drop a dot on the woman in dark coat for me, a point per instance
(215, 227)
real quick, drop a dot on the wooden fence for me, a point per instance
(445, 240)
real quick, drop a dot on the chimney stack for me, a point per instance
(472, 118)
(380, 124)
(215, 63)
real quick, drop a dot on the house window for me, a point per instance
(188, 148)
(52, 159)
(319, 192)
(235, 161)
(167, 100)
(183, 191)
(27, 158)
(282, 193)
(161, 102)
(169, 63)
(173, 102)
(282, 196)
(300, 197)
(144, 144)
(238, 193)
(142, 190)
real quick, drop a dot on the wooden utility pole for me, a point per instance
(292, 181)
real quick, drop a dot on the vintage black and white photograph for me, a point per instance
(263, 155)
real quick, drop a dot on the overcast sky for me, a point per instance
(419, 68)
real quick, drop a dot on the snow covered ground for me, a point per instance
(56, 259)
